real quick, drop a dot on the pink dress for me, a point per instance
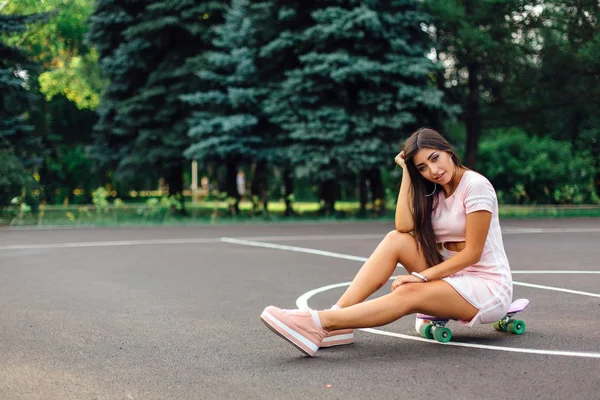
(487, 284)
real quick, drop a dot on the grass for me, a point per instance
(212, 212)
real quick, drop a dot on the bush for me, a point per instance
(13, 177)
(534, 170)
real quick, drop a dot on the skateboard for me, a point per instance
(437, 328)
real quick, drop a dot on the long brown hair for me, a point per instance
(423, 202)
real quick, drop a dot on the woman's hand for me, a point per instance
(400, 159)
(401, 280)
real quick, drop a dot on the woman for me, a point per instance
(448, 239)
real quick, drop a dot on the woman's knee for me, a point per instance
(398, 238)
(407, 290)
(399, 243)
(411, 294)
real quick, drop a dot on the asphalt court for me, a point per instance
(173, 313)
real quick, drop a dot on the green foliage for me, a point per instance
(15, 71)
(120, 64)
(13, 178)
(100, 200)
(529, 169)
(159, 209)
(322, 90)
(229, 123)
(79, 81)
(20, 212)
(71, 166)
(482, 45)
(147, 53)
(557, 93)
(52, 128)
(361, 84)
(59, 45)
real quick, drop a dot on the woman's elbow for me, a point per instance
(404, 229)
(475, 256)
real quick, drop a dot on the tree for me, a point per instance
(229, 127)
(60, 46)
(69, 79)
(19, 145)
(149, 70)
(121, 65)
(362, 83)
(481, 43)
(556, 94)
(278, 25)
(13, 177)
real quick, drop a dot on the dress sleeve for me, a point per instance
(480, 195)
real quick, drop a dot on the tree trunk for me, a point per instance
(259, 187)
(362, 192)
(598, 179)
(231, 186)
(473, 112)
(288, 182)
(377, 191)
(329, 194)
(175, 182)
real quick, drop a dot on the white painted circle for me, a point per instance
(302, 302)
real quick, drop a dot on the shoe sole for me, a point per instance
(338, 337)
(338, 340)
(268, 320)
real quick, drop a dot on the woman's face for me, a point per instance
(434, 165)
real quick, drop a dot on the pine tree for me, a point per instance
(149, 71)
(176, 31)
(279, 25)
(228, 127)
(121, 66)
(362, 84)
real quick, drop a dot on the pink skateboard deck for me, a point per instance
(437, 330)
(516, 306)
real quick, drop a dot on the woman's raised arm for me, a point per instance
(404, 209)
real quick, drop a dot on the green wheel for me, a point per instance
(442, 335)
(425, 331)
(517, 326)
(499, 327)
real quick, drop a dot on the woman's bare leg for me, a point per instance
(433, 298)
(395, 248)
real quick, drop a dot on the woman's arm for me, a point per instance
(404, 209)
(478, 225)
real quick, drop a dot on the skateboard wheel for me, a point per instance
(425, 331)
(517, 326)
(442, 335)
(499, 327)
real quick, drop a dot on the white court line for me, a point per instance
(363, 259)
(302, 302)
(488, 347)
(315, 237)
(556, 289)
(550, 272)
(505, 231)
(108, 243)
(292, 248)
(517, 230)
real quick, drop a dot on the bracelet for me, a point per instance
(418, 275)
